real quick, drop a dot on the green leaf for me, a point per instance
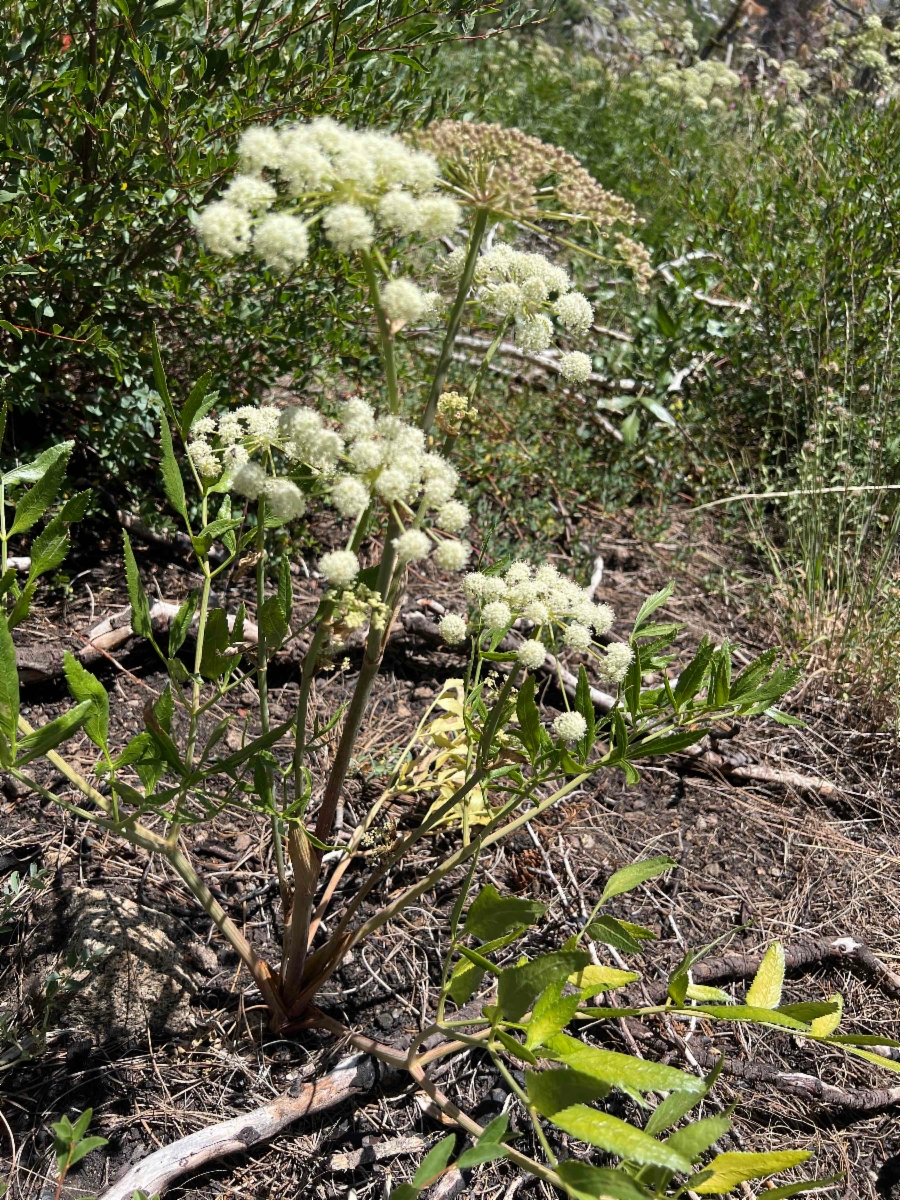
(171, 474)
(140, 605)
(50, 547)
(765, 990)
(435, 1162)
(213, 660)
(596, 978)
(585, 706)
(467, 975)
(651, 604)
(617, 1137)
(529, 716)
(405, 1191)
(285, 590)
(272, 623)
(519, 986)
(691, 679)
(584, 1182)
(491, 915)
(181, 622)
(628, 878)
(736, 1167)
(7, 580)
(620, 1070)
(753, 674)
(747, 1012)
(695, 1139)
(481, 1152)
(194, 406)
(85, 686)
(676, 1105)
(22, 606)
(49, 736)
(670, 744)
(85, 1146)
(800, 1189)
(495, 1130)
(38, 499)
(560, 1087)
(699, 991)
(810, 1010)
(551, 1014)
(9, 684)
(35, 470)
(159, 378)
(631, 427)
(666, 325)
(515, 1047)
(624, 936)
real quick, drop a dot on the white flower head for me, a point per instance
(284, 499)
(576, 367)
(281, 241)
(224, 228)
(263, 423)
(452, 556)
(249, 480)
(399, 211)
(349, 495)
(497, 615)
(259, 147)
(614, 667)
(303, 165)
(537, 611)
(518, 572)
(412, 545)
(602, 618)
(348, 227)
(249, 192)
(534, 333)
(366, 455)
(438, 216)
(403, 300)
(357, 418)
(570, 727)
(473, 584)
(453, 516)
(204, 459)
(577, 637)
(340, 567)
(531, 654)
(574, 311)
(453, 629)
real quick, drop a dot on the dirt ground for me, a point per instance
(162, 1035)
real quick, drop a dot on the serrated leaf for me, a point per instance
(651, 604)
(669, 744)
(518, 987)
(515, 1047)
(699, 991)
(584, 1182)
(85, 686)
(529, 716)
(765, 990)
(695, 1139)
(213, 660)
(551, 1015)
(51, 735)
(435, 1162)
(810, 1010)
(173, 484)
(35, 470)
(159, 378)
(747, 1012)
(678, 1104)
(49, 548)
(736, 1167)
(620, 1070)
(608, 1133)
(691, 678)
(272, 623)
(194, 407)
(632, 876)
(595, 978)
(38, 498)
(181, 622)
(492, 916)
(585, 706)
(22, 606)
(560, 1087)
(140, 605)
(622, 935)
(9, 684)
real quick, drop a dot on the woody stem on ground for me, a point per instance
(479, 227)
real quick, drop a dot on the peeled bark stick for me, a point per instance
(154, 1174)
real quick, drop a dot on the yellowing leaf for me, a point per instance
(765, 990)
(594, 979)
(617, 1137)
(698, 991)
(823, 1026)
(733, 1168)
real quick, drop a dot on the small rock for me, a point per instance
(638, 804)
(384, 1021)
(587, 841)
(701, 824)
(423, 693)
(714, 869)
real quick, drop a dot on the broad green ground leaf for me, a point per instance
(584, 1182)
(51, 735)
(728, 1170)
(85, 686)
(623, 935)
(695, 1139)
(621, 1070)
(630, 877)
(824, 1026)
(435, 1161)
(593, 979)
(617, 1137)
(560, 1087)
(765, 990)
(518, 987)
(491, 915)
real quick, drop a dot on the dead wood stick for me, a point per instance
(845, 950)
(736, 766)
(158, 1171)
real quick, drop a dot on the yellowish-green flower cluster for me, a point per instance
(354, 181)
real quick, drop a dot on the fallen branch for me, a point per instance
(154, 1174)
(735, 766)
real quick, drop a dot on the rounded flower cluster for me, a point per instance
(570, 727)
(530, 290)
(356, 181)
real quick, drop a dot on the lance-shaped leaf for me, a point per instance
(630, 877)
(85, 686)
(171, 473)
(695, 1139)
(620, 1070)
(728, 1170)
(584, 1182)
(9, 684)
(140, 605)
(49, 736)
(560, 1087)
(552, 1013)
(618, 1137)
(37, 469)
(38, 499)
(765, 990)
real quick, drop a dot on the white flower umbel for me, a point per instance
(453, 629)
(224, 229)
(602, 618)
(453, 516)
(412, 545)
(250, 192)
(340, 567)
(249, 480)
(576, 367)
(497, 615)
(204, 459)
(348, 227)
(403, 300)
(531, 654)
(452, 556)
(534, 333)
(357, 418)
(577, 637)
(574, 311)
(284, 499)
(438, 216)
(349, 495)
(570, 727)
(614, 667)
(399, 211)
(258, 148)
(281, 241)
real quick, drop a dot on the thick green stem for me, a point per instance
(479, 227)
(384, 330)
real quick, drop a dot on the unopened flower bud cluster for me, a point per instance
(356, 182)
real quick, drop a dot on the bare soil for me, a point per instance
(161, 1034)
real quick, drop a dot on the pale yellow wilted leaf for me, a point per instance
(824, 1026)
(601, 979)
(765, 990)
